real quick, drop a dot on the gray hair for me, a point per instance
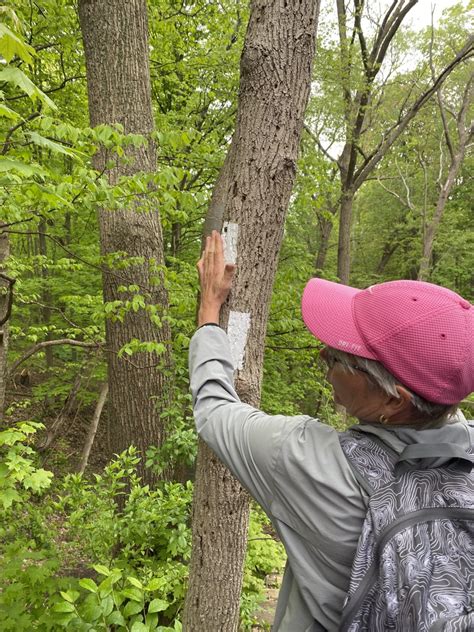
(431, 414)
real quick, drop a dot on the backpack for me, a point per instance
(414, 566)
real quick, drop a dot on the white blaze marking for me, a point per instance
(230, 233)
(237, 330)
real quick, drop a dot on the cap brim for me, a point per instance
(327, 313)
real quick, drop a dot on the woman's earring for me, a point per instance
(383, 419)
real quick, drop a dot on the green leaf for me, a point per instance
(11, 114)
(11, 436)
(116, 618)
(11, 45)
(157, 605)
(7, 164)
(101, 569)
(151, 620)
(106, 587)
(37, 139)
(88, 584)
(135, 582)
(39, 480)
(156, 583)
(92, 612)
(70, 595)
(139, 627)
(20, 80)
(63, 606)
(133, 593)
(107, 605)
(9, 496)
(132, 607)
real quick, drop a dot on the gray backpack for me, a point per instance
(414, 566)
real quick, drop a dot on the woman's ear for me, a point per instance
(401, 404)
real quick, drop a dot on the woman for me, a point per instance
(400, 358)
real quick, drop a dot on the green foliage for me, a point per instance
(19, 476)
(134, 541)
(265, 556)
(117, 601)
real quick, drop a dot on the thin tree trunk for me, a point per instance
(252, 191)
(68, 411)
(115, 37)
(387, 252)
(433, 225)
(93, 428)
(45, 310)
(465, 132)
(325, 230)
(4, 299)
(344, 246)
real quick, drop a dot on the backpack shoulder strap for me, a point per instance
(427, 455)
(371, 460)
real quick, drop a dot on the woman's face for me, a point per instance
(361, 398)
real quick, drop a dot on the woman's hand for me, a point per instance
(215, 277)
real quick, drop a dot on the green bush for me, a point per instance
(132, 543)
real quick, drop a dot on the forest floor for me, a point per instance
(61, 443)
(266, 612)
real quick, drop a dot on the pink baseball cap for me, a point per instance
(422, 333)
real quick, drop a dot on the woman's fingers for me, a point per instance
(211, 266)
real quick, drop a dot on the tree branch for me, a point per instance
(389, 27)
(51, 343)
(439, 95)
(50, 90)
(93, 427)
(393, 134)
(314, 137)
(6, 143)
(359, 7)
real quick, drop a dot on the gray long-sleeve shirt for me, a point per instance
(295, 469)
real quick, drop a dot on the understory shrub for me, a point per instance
(105, 553)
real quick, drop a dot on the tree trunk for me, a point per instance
(93, 428)
(325, 226)
(4, 298)
(116, 47)
(344, 246)
(432, 226)
(253, 192)
(45, 310)
(465, 130)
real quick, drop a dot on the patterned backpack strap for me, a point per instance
(371, 460)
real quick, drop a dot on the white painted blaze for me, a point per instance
(237, 331)
(230, 232)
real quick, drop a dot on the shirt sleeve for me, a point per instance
(247, 440)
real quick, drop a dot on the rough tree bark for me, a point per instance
(115, 38)
(252, 191)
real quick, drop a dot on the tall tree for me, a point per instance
(456, 143)
(363, 77)
(117, 60)
(252, 192)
